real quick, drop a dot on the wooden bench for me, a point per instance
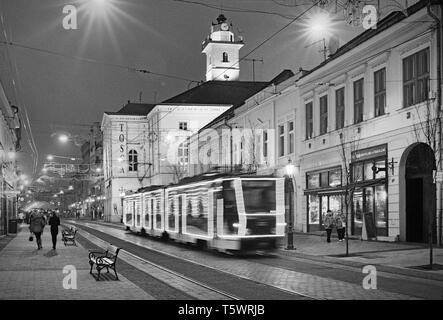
(68, 236)
(104, 259)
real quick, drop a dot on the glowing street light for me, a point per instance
(63, 138)
(50, 157)
(319, 26)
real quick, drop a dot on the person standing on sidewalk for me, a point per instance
(54, 222)
(37, 224)
(329, 224)
(340, 225)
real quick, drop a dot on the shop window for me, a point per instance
(381, 164)
(324, 179)
(381, 219)
(313, 181)
(313, 209)
(335, 178)
(357, 172)
(369, 173)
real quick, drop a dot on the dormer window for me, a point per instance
(225, 57)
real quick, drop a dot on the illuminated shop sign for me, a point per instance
(369, 153)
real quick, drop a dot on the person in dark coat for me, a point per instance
(54, 222)
(329, 224)
(37, 224)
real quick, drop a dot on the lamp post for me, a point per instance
(122, 194)
(290, 187)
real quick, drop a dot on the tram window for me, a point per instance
(259, 196)
(230, 213)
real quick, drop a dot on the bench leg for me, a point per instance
(116, 276)
(92, 264)
(98, 273)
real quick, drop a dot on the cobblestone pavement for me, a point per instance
(29, 274)
(291, 280)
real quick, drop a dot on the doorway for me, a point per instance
(420, 193)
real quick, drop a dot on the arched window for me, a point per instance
(225, 57)
(133, 160)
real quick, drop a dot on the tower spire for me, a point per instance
(222, 48)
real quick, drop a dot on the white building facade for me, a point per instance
(9, 144)
(362, 128)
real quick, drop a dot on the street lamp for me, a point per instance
(290, 187)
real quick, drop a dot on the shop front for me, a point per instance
(369, 186)
(323, 192)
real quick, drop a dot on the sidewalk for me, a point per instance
(399, 255)
(29, 274)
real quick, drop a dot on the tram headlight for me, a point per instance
(248, 231)
(236, 225)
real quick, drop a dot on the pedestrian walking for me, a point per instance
(37, 224)
(54, 222)
(340, 224)
(328, 224)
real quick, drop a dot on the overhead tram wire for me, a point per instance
(95, 61)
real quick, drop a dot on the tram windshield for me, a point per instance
(259, 196)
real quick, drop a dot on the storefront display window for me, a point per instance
(313, 181)
(370, 198)
(357, 174)
(381, 174)
(313, 208)
(380, 210)
(335, 178)
(358, 211)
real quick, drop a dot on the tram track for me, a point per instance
(190, 269)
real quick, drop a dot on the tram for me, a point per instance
(227, 213)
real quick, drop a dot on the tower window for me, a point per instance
(133, 160)
(225, 57)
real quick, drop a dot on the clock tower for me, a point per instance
(222, 49)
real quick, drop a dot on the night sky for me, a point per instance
(164, 36)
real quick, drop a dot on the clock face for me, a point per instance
(224, 26)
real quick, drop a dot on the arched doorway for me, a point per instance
(420, 196)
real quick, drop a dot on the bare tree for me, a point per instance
(346, 148)
(252, 146)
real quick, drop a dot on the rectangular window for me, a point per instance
(340, 108)
(416, 78)
(183, 126)
(281, 140)
(358, 101)
(323, 114)
(380, 92)
(265, 143)
(291, 136)
(309, 121)
(313, 181)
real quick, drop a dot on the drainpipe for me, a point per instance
(438, 107)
